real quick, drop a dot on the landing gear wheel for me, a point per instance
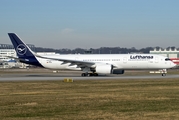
(84, 74)
(89, 74)
(93, 74)
(163, 74)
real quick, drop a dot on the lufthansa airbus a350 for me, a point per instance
(91, 64)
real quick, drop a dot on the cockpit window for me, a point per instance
(167, 59)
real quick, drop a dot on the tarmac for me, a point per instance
(49, 76)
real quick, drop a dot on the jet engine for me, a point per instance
(103, 69)
(107, 69)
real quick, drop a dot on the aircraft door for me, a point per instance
(124, 59)
(156, 59)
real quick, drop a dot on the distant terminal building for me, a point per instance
(170, 52)
(8, 46)
(8, 50)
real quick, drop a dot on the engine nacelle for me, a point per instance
(107, 69)
(103, 69)
(117, 71)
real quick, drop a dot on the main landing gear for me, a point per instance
(89, 74)
(164, 74)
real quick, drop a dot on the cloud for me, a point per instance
(67, 31)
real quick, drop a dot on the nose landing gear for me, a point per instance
(164, 74)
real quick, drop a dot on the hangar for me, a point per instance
(170, 52)
(8, 50)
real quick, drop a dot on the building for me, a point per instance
(8, 50)
(170, 52)
(8, 46)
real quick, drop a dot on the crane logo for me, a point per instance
(21, 49)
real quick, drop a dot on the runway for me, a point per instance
(50, 77)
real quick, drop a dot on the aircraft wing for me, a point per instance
(80, 64)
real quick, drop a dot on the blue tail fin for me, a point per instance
(21, 48)
(24, 53)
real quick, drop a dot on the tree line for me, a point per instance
(102, 50)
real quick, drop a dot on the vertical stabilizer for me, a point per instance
(24, 53)
(21, 48)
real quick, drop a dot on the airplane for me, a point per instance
(91, 64)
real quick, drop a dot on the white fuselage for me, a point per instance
(93, 63)
(120, 61)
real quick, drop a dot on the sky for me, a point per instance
(91, 23)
